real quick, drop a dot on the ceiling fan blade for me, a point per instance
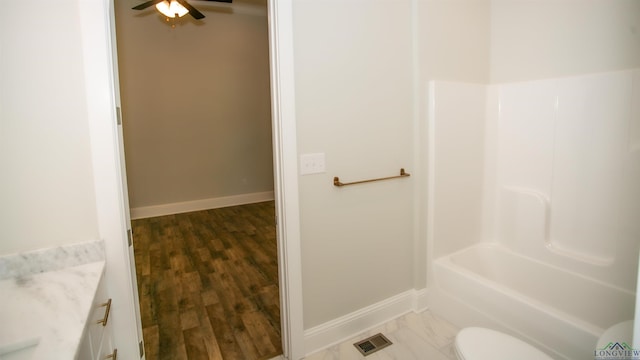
(192, 11)
(146, 5)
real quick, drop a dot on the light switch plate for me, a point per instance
(312, 163)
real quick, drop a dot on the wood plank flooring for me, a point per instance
(208, 284)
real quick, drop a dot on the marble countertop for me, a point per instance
(48, 308)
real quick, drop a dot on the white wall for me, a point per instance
(361, 74)
(550, 38)
(196, 103)
(354, 103)
(453, 40)
(46, 187)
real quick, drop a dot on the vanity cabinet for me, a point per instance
(97, 342)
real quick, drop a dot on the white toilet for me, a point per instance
(619, 333)
(475, 343)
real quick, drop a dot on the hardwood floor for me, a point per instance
(208, 284)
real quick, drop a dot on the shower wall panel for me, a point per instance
(565, 171)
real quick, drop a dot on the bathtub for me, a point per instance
(561, 312)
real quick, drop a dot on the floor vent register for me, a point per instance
(372, 344)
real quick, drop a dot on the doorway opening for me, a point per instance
(197, 132)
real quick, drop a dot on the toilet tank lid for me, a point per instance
(476, 343)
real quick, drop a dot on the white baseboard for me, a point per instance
(197, 205)
(420, 301)
(345, 327)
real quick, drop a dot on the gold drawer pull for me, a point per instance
(103, 321)
(114, 355)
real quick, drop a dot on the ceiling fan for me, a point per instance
(171, 8)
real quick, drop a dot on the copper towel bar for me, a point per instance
(336, 180)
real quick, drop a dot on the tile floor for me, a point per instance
(414, 336)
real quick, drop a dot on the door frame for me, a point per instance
(100, 64)
(101, 95)
(285, 154)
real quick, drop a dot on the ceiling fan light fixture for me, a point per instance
(172, 8)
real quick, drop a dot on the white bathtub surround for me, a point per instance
(414, 336)
(49, 259)
(568, 172)
(558, 161)
(46, 298)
